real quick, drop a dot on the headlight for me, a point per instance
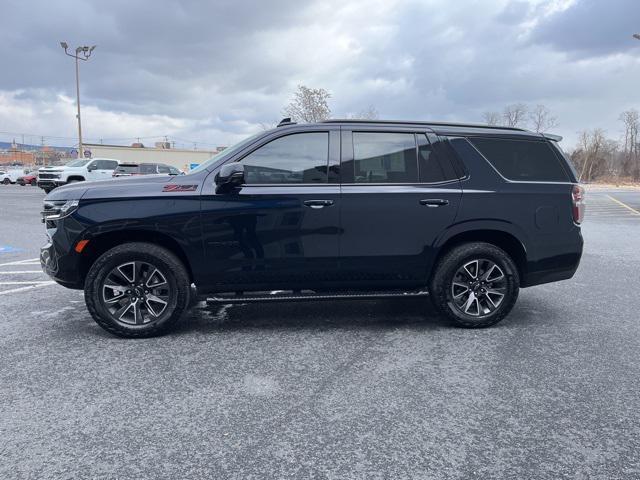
(57, 209)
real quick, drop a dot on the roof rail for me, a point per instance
(286, 121)
(422, 122)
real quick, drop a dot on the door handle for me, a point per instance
(434, 202)
(318, 203)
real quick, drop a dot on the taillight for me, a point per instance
(577, 199)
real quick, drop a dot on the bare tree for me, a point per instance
(268, 125)
(595, 155)
(541, 119)
(491, 118)
(514, 115)
(309, 105)
(631, 152)
(369, 113)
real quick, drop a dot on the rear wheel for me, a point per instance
(137, 290)
(34, 182)
(475, 285)
(6, 181)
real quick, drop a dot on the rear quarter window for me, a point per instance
(521, 160)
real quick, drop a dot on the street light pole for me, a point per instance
(82, 53)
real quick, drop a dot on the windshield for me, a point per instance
(78, 163)
(226, 153)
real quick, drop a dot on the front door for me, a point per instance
(281, 228)
(397, 197)
(101, 169)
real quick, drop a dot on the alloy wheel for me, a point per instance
(136, 293)
(478, 288)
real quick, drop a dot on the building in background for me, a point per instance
(162, 153)
(16, 156)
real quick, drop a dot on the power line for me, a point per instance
(169, 138)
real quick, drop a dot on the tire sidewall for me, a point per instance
(457, 258)
(110, 260)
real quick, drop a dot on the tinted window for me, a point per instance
(521, 159)
(127, 169)
(163, 169)
(384, 157)
(148, 168)
(431, 168)
(174, 171)
(296, 158)
(104, 165)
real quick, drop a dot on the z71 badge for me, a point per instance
(179, 188)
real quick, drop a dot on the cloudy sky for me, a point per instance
(214, 71)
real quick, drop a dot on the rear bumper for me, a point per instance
(561, 266)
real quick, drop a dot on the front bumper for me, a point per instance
(58, 258)
(48, 183)
(62, 268)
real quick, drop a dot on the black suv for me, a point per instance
(467, 214)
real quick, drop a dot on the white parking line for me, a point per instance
(21, 271)
(29, 261)
(22, 289)
(25, 283)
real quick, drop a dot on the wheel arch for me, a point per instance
(99, 244)
(78, 178)
(503, 239)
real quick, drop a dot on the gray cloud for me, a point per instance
(592, 27)
(213, 71)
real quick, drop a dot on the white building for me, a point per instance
(179, 158)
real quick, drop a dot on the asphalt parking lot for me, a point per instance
(363, 389)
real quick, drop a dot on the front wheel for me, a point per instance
(6, 181)
(137, 290)
(475, 285)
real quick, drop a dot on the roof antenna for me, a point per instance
(286, 121)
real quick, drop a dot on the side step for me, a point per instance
(289, 296)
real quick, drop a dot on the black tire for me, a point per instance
(448, 269)
(6, 181)
(173, 273)
(33, 182)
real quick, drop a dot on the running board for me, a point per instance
(285, 296)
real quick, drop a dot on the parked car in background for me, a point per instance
(30, 178)
(9, 176)
(89, 169)
(129, 169)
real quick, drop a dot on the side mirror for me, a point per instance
(230, 176)
(91, 168)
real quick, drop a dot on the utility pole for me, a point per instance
(82, 53)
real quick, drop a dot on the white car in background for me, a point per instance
(10, 176)
(89, 169)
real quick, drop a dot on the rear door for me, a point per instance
(398, 196)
